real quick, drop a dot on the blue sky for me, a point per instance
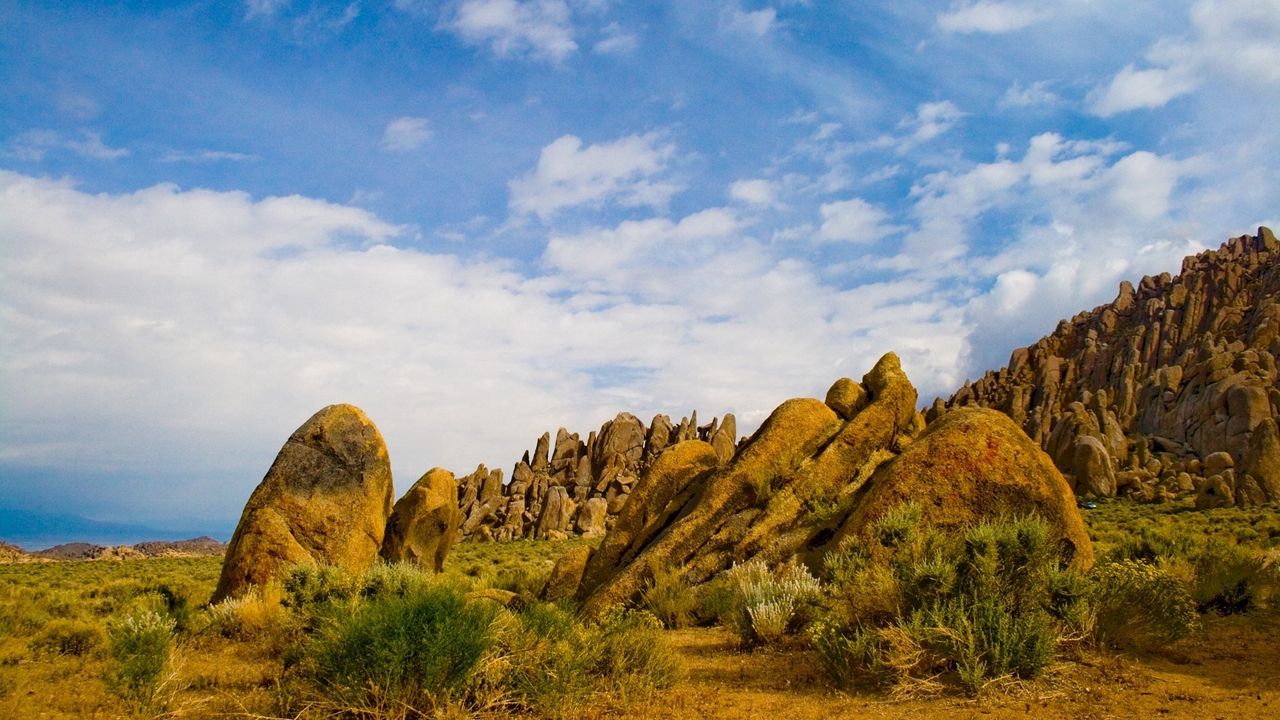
(483, 219)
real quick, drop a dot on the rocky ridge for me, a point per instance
(578, 486)
(813, 474)
(1170, 389)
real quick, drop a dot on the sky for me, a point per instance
(480, 220)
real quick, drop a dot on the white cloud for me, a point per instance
(753, 192)
(626, 171)
(1132, 89)
(209, 325)
(1231, 42)
(542, 29)
(77, 106)
(854, 220)
(33, 145)
(933, 119)
(405, 134)
(1037, 94)
(616, 41)
(987, 16)
(263, 8)
(202, 156)
(756, 22)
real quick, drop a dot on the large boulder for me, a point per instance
(424, 523)
(1262, 461)
(971, 464)
(1091, 467)
(676, 473)
(325, 500)
(804, 456)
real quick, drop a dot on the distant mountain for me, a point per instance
(34, 530)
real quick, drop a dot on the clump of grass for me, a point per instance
(141, 652)
(763, 605)
(70, 637)
(918, 609)
(400, 656)
(669, 598)
(1140, 604)
(255, 615)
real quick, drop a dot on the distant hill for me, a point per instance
(34, 530)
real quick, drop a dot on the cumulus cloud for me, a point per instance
(541, 29)
(755, 22)
(33, 145)
(753, 192)
(1231, 41)
(854, 220)
(1037, 94)
(627, 171)
(987, 16)
(208, 325)
(405, 134)
(616, 41)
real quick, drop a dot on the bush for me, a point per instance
(545, 662)
(628, 652)
(1228, 579)
(141, 649)
(766, 605)
(400, 654)
(918, 608)
(670, 599)
(1138, 604)
(69, 637)
(308, 586)
(256, 614)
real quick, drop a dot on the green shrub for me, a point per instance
(628, 652)
(69, 637)
(919, 608)
(1137, 604)
(545, 662)
(309, 586)
(668, 597)
(392, 580)
(1227, 578)
(141, 649)
(401, 654)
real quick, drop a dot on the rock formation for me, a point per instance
(571, 486)
(325, 500)
(973, 463)
(424, 523)
(814, 473)
(1168, 374)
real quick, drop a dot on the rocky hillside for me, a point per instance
(1171, 388)
(814, 474)
(577, 486)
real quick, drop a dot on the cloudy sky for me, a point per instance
(483, 219)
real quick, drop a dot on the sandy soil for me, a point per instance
(1230, 669)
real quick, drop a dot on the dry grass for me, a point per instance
(1229, 668)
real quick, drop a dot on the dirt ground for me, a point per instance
(1229, 669)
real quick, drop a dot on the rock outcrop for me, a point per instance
(816, 472)
(971, 464)
(424, 523)
(325, 500)
(578, 487)
(1169, 373)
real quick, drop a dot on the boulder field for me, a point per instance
(1133, 397)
